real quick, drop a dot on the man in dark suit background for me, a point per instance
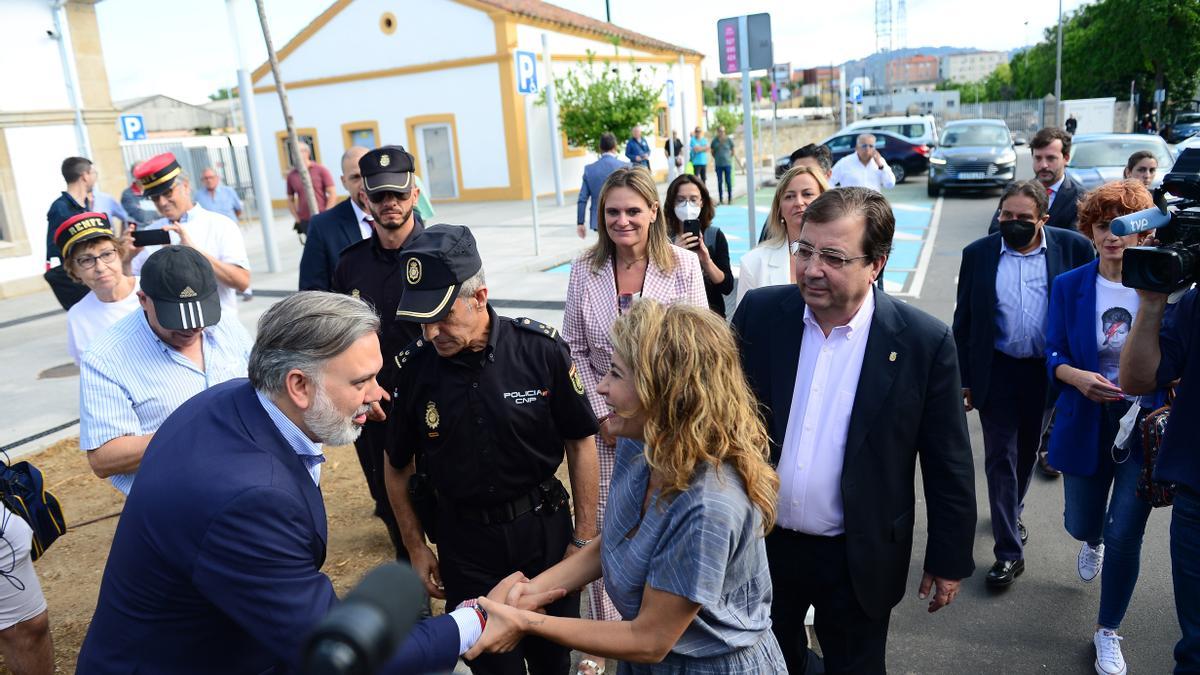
(1051, 149)
(594, 175)
(999, 327)
(331, 231)
(855, 387)
(215, 565)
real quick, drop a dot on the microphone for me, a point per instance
(1141, 221)
(361, 632)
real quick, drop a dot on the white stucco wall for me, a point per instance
(37, 82)
(36, 154)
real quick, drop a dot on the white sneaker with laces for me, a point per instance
(1090, 562)
(1109, 660)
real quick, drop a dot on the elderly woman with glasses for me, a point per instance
(92, 256)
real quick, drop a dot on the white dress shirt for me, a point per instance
(814, 445)
(363, 219)
(851, 172)
(1052, 191)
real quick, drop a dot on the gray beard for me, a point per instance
(327, 424)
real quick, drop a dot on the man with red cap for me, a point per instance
(212, 234)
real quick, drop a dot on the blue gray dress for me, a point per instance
(705, 545)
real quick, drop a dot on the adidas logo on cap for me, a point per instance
(187, 292)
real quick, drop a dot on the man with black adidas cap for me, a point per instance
(147, 364)
(214, 235)
(370, 269)
(484, 406)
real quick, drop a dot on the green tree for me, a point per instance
(223, 94)
(729, 118)
(594, 98)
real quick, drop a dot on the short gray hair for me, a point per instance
(472, 285)
(864, 135)
(304, 331)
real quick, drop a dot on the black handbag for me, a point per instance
(1155, 492)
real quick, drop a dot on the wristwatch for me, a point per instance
(479, 610)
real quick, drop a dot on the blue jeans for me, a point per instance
(1119, 520)
(724, 182)
(1185, 573)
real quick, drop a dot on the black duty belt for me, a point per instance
(548, 496)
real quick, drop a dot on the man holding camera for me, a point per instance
(483, 409)
(1158, 353)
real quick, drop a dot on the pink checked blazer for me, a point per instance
(592, 309)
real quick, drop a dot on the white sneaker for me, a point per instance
(1108, 653)
(1090, 562)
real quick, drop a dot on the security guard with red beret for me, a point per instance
(483, 409)
(370, 269)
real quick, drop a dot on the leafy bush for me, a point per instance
(594, 98)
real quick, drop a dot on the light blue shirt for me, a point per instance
(130, 381)
(699, 157)
(104, 203)
(1022, 296)
(309, 452)
(224, 202)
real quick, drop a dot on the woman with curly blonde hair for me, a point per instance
(692, 497)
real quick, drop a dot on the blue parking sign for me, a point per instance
(527, 82)
(133, 127)
(671, 93)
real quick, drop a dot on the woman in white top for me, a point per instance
(92, 256)
(769, 264)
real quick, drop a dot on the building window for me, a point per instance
(365, 134)
(387, 23)
(660, 121)
(571, 150)
(307, 136)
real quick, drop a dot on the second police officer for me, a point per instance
(483, 409)
(370, 269)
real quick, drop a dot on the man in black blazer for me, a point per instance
(999, 327)
(1051, 149)
(855, 387)
(331, 231)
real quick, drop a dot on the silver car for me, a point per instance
(1097, 159)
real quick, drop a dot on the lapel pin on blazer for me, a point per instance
(892, 357)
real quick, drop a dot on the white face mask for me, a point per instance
(687, 211)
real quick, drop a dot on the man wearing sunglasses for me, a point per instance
(372, 269)
(865, 168)
(856, 387)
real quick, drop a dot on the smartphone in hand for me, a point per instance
(692, 227)
(155, 237)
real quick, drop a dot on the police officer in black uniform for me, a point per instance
(483, 409)
(370, 269)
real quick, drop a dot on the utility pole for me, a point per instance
(293, 140)
(607, 12)
(1058, 66)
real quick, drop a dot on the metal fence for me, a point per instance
(227, 155)
(1024, 118)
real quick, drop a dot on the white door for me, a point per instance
(437, 157)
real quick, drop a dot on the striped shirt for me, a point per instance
(1022, 297)
(309, 452)
(130, 381)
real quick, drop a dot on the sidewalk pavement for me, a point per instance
(39, 389)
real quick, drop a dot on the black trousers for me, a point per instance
(66, 290)
(1012, 424)
(473, 558)
(806, 571)
(369, 446)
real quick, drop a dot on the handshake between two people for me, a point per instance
(510, 609)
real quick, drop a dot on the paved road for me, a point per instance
(1044, 622)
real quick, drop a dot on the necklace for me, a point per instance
(629, 265)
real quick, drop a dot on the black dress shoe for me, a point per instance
(1004, 572)
(1024, 532)
(1044, 466)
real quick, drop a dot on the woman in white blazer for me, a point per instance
(769, 263)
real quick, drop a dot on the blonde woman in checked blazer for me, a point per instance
(633, 259)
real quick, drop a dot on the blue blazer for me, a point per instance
(1071, 340)
(329, 232)
(594, 175)
(975, 313)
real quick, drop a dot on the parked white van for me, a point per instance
(920, 129)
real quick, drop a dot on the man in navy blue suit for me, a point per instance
(1000, 329)
(594, 175)
(215, 565)
(331, 231)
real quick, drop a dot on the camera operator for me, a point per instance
(1156, 354)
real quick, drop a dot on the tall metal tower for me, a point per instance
(900, 31)
(883, 26)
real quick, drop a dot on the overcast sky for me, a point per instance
(184, 50)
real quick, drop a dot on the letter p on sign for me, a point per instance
(133, 127)
(527, 73)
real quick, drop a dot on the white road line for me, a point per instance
(914, 290)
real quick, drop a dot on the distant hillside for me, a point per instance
(875, 65)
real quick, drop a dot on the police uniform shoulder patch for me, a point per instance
(536, 327)
(408, 353)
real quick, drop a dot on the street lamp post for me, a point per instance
(1058, 65)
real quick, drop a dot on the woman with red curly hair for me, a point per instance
(1089, 317)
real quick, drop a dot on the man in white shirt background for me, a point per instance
(865, 168)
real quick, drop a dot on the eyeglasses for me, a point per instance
(87, 262)
(378, 197)
(695, 201)
(832, 260)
